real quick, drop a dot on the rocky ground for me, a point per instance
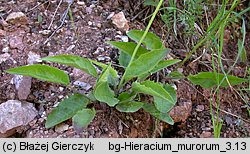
(28, 32)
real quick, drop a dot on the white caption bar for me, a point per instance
(124, 146)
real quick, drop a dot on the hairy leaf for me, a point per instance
(66, 109)
(151, 41)
(129, 106)
(150, 108)
(74, 61)
(103, 93)
(42, 72)
(83, 117)
(164, 100)
(209, 80)
(145, 63)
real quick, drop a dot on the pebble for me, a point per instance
(99, 25)
(45, 32)
(80, 3)
(90, 23)
(120, 21)
(61, 128)
(5, 49)
(4, 57)
(206, 129)
(124, 38)
(60, 96)
(100, 58)
(83, 85)
(205, 134)
(61, 89)
(71, 47)
(111, 15)
(180, 70)
(200, 108)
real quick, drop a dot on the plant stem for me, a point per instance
(141, 40)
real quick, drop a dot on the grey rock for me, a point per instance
(14, 114)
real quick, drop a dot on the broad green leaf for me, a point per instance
(83, 117)
(42, 72)
(66, 109)
(161, 103)
(126, 51)
(164, 100)
(208, 79)
(124, 59)
(151, 41)
(150, 108)
(161, 65)
(129, 106)
(145, 63)
(74, 61)
(103, 93)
